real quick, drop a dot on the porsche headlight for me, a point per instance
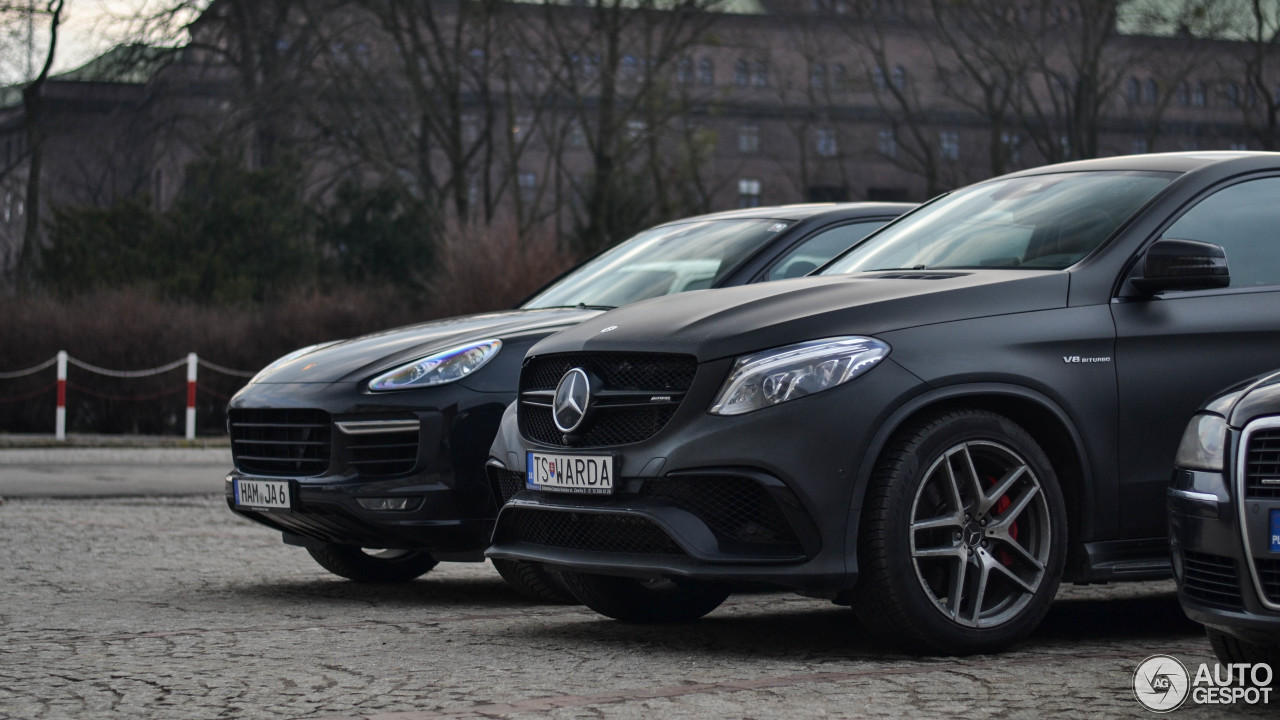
(1203, 443)
(775, 376)
(440, 368)
(290, 357)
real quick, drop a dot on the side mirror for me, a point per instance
(1182, 265)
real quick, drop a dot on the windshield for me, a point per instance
(1042, 222)
(661, 261)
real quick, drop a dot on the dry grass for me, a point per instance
(493, 268)
(133, 329)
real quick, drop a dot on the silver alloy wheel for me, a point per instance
(980, 534)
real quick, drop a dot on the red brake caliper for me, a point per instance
(1001, 505)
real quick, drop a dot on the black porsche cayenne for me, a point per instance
(1224, 521)
(370, 452)
(979, 401)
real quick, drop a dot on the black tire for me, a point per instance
(534, 581)
(1231, 649)
(362, 565)
(645, 601)
(963, 536)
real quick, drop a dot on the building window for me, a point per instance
(899, 77)
(684, 71)
(878, 78)
(887, 143)
(1150, 90)
(741, 73)
(577, 136)
(749, 138)
(839, 77)
(706, 72)
(825, 143)
(636, 128)
(748, 192)
(528, 185)
(1200, 98)
(760, 74)
(1234, 146)
(1012, 144)
(1134, 91)
(1140, 146)
(1233, 95)
(949, 145)
(630, 67)
(817, 76)
(1184, 94)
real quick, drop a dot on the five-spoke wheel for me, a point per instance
(963, 535)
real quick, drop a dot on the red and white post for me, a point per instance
(192, 363)
(60, 422)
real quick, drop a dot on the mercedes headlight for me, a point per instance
(775, 376)
(1203, 444)
(440, 368)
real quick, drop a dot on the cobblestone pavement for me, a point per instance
(173, 608)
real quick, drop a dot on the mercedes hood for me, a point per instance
(712, 324)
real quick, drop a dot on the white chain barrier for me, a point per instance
(62, 360)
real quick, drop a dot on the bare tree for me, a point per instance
(33, 106)
(613, 81)
(1257, 68)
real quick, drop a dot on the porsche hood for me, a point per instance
(356, 359)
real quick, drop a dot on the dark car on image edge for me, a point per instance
(370, 452)
(1224, 522)
(977, 402)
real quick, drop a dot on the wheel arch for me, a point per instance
(1044, 419)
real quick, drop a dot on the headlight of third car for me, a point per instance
(1203, 443)
(775, 376)
(440, 368)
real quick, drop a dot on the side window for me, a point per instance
(815, 251)
(1245, 220)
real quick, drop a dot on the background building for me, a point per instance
(589, 119)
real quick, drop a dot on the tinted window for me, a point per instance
(815, 251)
(1041, 221)
(662, 261)
(1245, 220)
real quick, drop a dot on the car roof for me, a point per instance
(1180, 162)
(805, 211)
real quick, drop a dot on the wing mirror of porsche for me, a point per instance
(1171, 264)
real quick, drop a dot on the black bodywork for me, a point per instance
(1100, 373)
(294, 413)
(1224, 524)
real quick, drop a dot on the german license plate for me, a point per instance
(262, 494)
(590, 474)
(1275, 530)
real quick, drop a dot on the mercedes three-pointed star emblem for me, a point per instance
(573, 394)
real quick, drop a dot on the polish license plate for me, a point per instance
(262, 494)
(589, 474)
(1275, 530)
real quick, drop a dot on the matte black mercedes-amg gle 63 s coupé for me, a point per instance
(1224, 522)
(370, 452)
(979, 401)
